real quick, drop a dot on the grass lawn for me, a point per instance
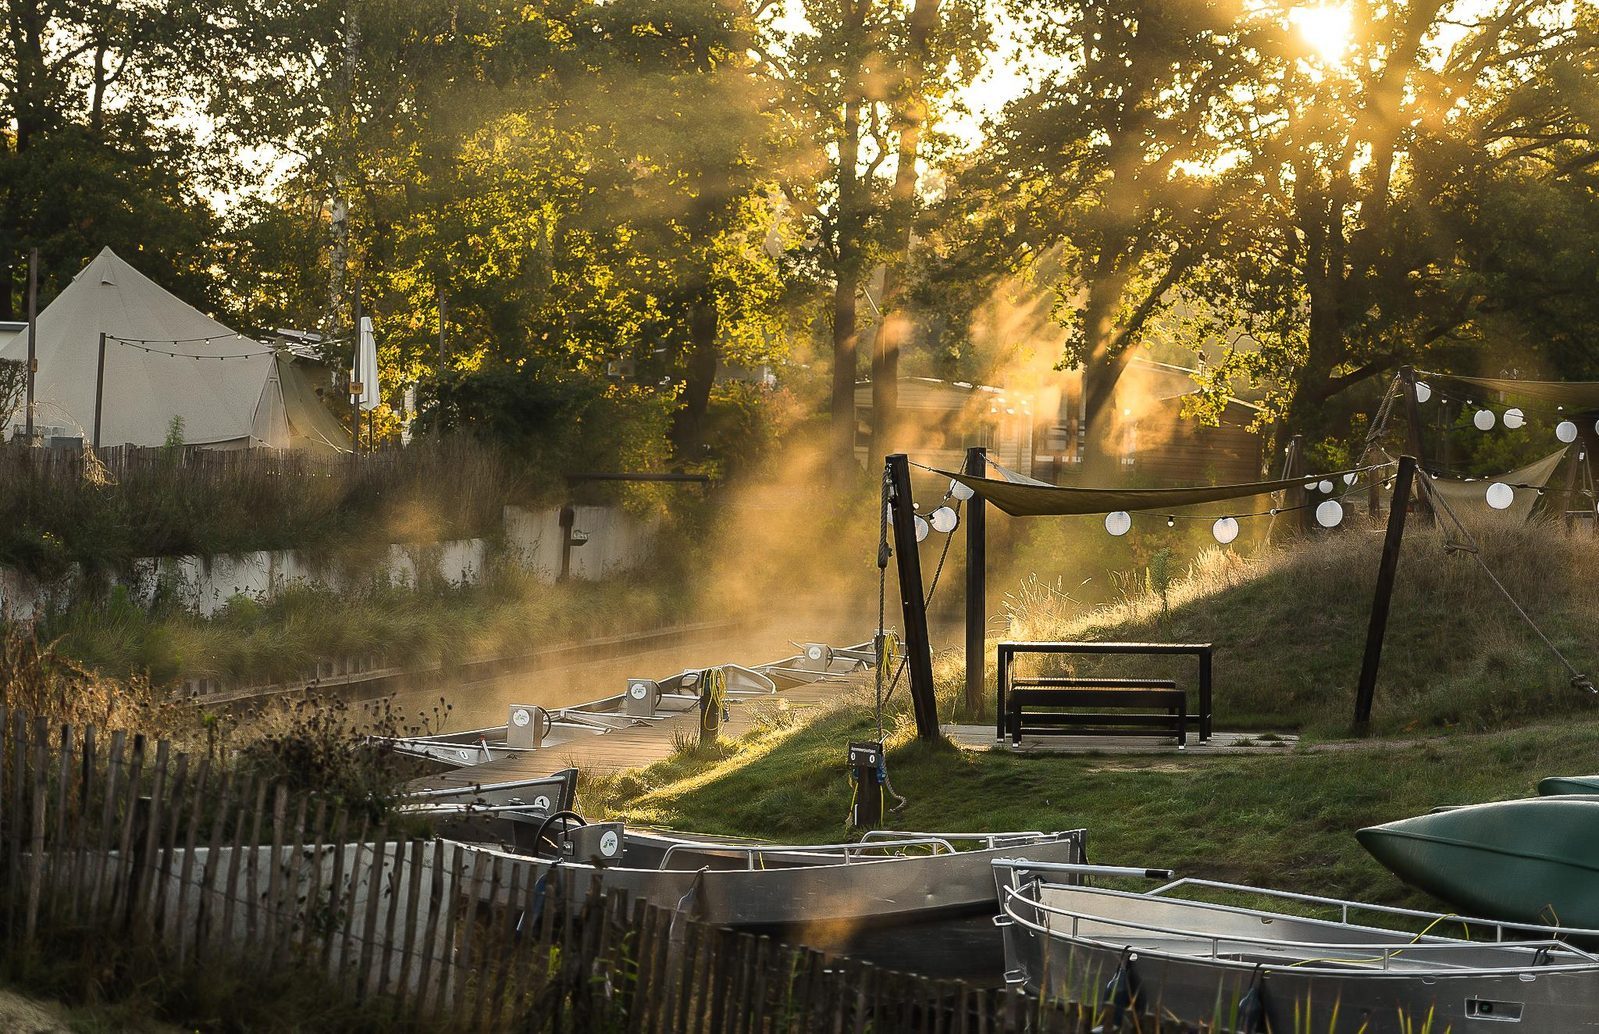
(1284, 819)
(1471, 707)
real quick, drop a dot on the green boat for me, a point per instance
(1556, 786)
(1526, 861)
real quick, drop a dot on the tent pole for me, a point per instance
(976, 585)
(99, 390)
(918, 650)
(1384, 594)
(33, 337)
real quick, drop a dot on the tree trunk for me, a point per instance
(700, 372)
(847, 263)
(1102, 370)
(894, 328)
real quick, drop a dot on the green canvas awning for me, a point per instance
(1040, 500)
(1466, 497)
(1577, 395)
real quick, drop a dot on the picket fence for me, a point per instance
(184, 866)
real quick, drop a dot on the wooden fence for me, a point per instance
(182, 870)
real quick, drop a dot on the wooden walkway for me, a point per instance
(981, 737)
(637, 747)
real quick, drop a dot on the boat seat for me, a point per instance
(1123, 707)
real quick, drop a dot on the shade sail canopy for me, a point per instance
(1575, 394)
(1039, 500)
(1466, 497)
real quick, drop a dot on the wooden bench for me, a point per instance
(1141, 707)
(1156, 718)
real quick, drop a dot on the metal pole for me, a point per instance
(1384, 594)
(918, 650)
(33, 337)
(444, 303)
(99, 390)
(355, 373)
(976, 585)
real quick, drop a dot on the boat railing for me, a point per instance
(1345, 906)
(1385, 951)
(990, 840)
(847, 852)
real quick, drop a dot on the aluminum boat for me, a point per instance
(912, 901)
(1187, 953)
(643, 702)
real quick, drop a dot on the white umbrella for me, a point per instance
(365, 372)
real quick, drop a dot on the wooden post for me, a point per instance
(1407, 375)
(918, 650)
(99, 390)
(1384, 594)
(976, 584)
(33, 338)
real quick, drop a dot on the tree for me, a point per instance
(1380, 170)
(1107, 174)
(92, 152)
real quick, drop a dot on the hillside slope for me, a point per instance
(1290, 625)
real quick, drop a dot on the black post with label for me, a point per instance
(868, 773)
(918, 649)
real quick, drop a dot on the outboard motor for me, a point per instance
(642, 698)
(599, 843)
(816, 657)
(528, 726)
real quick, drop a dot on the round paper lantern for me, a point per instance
(1325, 487)
(1225, 530)
(1483, 419)
(1350, 477)
(1566, 431)
(1423, 391)
(921, 528)
(1330, 514)
(960, 491)
(1310, 486)
(1514, 418)
(944, 520)
(1118, 523)
(1501, 495)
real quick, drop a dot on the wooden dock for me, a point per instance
(642, 745)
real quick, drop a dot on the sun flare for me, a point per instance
(1326, 28)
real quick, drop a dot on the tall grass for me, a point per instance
(253, 642)
(177, 502)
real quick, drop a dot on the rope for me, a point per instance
(1578, 679)
(140, 343)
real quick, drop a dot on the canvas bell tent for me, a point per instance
(164, 359)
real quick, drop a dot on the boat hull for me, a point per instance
(1526, 861)
(1327, 989)
(930, 913)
